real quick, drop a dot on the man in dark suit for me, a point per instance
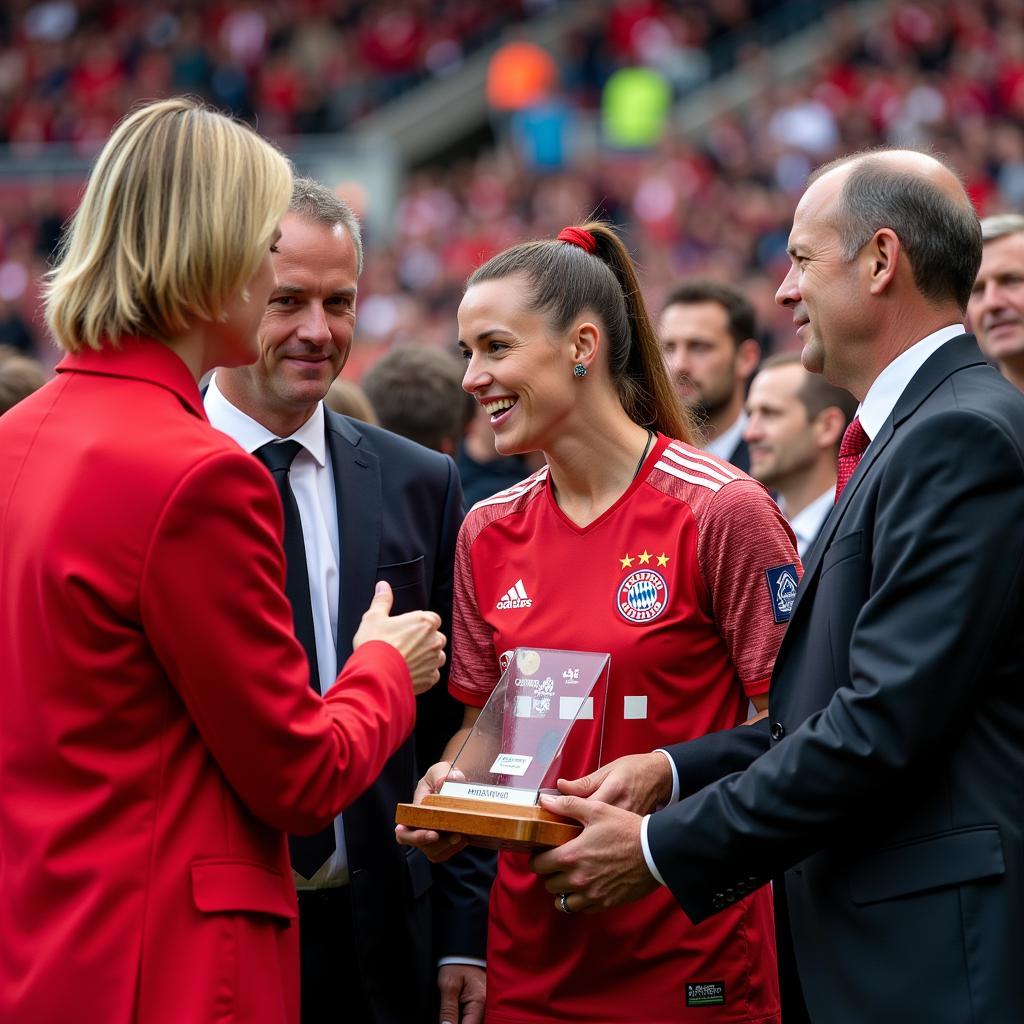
(707, 333)
(883, 794)
(371, 505)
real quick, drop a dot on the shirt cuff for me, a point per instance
(674, 798)
(467, 960)
(651, 866)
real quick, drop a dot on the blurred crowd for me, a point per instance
(946, 73)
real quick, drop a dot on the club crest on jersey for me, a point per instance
(642, 596)
(782, 584)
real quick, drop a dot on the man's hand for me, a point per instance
(463, 990)
(437, 846)
(603, 866)
(636, 782)
(414, 635)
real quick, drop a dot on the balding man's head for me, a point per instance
(923, 202)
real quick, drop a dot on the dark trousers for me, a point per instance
(332, 988)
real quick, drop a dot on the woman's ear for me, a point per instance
(586, 343)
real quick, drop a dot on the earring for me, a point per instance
(579, 370)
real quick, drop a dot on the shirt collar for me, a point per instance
(139, 359)
(251, 434)
(885, 392)
(807, 522)
(726, 443)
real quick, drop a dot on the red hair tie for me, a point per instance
(577, 236)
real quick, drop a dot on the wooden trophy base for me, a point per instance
(486, 823)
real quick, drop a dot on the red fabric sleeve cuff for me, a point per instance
(758, 688)
(472, 698)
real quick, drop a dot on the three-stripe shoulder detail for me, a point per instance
(695, 467)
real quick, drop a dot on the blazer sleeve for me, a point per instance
(214, 610)
(942, 594)
(706, 759)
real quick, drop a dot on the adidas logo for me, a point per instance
(515, 598)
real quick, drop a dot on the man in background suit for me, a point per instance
(372, 506)
(707, 333)
(883, 793)
(795, 421)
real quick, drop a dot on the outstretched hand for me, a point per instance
(636, 782)
(603, 866)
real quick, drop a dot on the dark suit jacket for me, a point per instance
(887, 794)
(399, 511)
(740, 457)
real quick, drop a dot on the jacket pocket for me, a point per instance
(402, 574)
(222, 886)
(840, 549)
(933, 862)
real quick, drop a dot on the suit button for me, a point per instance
(778, 730)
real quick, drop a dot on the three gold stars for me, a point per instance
(645, 556)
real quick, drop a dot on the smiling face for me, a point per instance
(822, 289)
(780, 434)
(996, 307)
(516, 367)
(306, 330)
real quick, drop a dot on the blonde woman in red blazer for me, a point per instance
(158, 733)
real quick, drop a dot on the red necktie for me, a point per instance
(855, 441)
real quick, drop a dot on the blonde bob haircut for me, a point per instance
(179, 210)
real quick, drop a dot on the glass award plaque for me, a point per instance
(515, 749)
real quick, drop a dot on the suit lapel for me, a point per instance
(954, 355)
(357, 487)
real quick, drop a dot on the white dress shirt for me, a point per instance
(725, 444)
(877, 407)
(312, 482)
(807, 522)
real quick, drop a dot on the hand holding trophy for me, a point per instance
(488, 795)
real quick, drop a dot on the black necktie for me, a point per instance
(308, 852)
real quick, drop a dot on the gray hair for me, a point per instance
(1000, 225)
(940, 234)
(316, 202)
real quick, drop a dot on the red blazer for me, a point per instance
(158, 733)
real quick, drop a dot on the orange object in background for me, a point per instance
(519, 76)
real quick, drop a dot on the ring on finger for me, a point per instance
(563, 902)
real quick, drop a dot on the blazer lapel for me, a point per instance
(357, 487)
(954, 355)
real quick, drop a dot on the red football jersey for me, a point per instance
(687, 582)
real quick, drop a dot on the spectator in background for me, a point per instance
(347, 398)
(795, 421)
(707, 333)
(996, 309)
(484, 470)
(14, 332)
(19, 377)
(417, 392)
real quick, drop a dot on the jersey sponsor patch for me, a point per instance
(782, 584)
(705, 993)
(642, 596)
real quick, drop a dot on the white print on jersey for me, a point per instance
(515, 598)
